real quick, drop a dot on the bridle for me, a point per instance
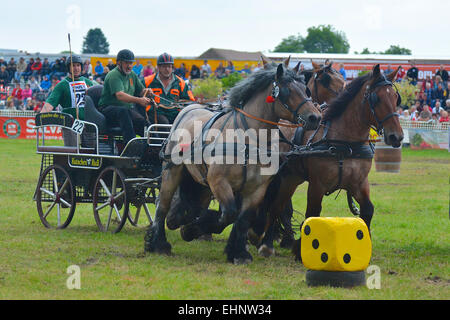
(372, 99)
(283, 95)
(318, 79)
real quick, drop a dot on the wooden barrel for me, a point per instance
(387, 158)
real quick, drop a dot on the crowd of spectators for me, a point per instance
(25, 85)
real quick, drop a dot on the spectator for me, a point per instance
(447, 105)
(137, 68)
(388, 69)
(4, 76)
(427, 80)
(34, 85)
(17, 94)
(220, 71)
(442, 73)
(405, 115)
(38, 106)
(36, 68)
(400, 74)
(435, 118)
(181, 71)
(27, 92)
(205, 67)
(342, 71)
(103, 75)
(2, 62)
(98, 68)
(437, 108)
(21, 67)
(246, 69)
(195, 72)
(425, 116)
(11, 68)
(87, 68)
(149, 69)
(45, 83)
(414, 114)
(447, 92)
(10, 104)
(426, 107)
(45, 71)
(110, 65)
(444, 117)
(438, 94)
(230, 67)
(413, 74)
(437, 81)
(428, 94)
(29, 104)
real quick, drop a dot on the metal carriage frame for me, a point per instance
(120, 186)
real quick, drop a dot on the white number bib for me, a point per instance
(78, 91)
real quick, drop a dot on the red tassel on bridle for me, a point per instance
(270, 99)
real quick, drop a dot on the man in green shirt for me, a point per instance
(69, 94)
(121, 90)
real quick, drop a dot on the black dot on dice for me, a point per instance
(315, 243)
(347, 258)
(324, 257)
(359, 234)
(307, 230)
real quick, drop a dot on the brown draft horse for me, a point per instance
(239, 188)
(369, 100)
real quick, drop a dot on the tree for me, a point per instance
(324, 39)
(290, 44)
(397, 50)
(95, 42)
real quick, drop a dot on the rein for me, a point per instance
(267, 121)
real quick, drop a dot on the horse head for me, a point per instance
(383, 99)
(326, 83)
(294, 98)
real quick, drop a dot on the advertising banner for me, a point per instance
(23, 128)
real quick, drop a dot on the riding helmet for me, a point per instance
(125, 55)
(165, 58)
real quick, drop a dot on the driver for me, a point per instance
(168, 88)
(70, 93)
(122, 90)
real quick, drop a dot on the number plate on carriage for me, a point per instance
(78, 126)
(86, 162)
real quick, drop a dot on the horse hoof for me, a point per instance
(242, 258)
(239, 261)
(152, 244)
(190, 232)
(265, 251)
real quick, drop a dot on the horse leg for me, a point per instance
(155, 238)
(313, 209)
(287, 232)
(362, 196)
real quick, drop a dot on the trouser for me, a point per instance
(160, 118)
(130, 121)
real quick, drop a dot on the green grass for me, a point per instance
(410, 232)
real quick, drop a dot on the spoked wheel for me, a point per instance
(55, 197)
(139, 211)
(110, 200)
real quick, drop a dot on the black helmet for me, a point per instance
(125, 55)
(75, 59)
(165, 58)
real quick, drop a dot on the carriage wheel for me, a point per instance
(55, 197)
(110, 200)
(139, 213)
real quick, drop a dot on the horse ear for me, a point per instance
(265, 62)
(280, 72)
(376, 71)
(297, 67)
(391, 76)
(330, 64)
(286, 62)
(315, 66)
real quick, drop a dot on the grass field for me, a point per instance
(410, 232)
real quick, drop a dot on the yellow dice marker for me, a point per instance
(335, 244)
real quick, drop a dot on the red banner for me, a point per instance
(22, 128)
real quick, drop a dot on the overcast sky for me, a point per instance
(190, 27)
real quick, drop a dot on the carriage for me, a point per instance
(121, 181)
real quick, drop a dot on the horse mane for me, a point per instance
(242, 92)
(338, 105)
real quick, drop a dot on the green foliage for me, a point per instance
(208, 88)
(231, 80)
(290, 44)
(392, 50)
(407, 91)
(324, 39)
(95, 42)
(321, 39)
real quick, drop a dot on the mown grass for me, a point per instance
(410, 232)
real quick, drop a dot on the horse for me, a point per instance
(326, 83)
(338, 155)
(257, 102)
